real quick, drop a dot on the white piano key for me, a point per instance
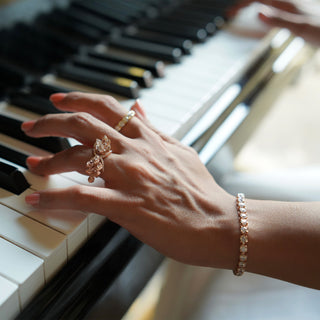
(127, 103)
(21, 146)
(163, 108)
(29, 275)
(94, 222)
(41, 182)
(9, 299)
(75, 234)
(165, 125)
(175, 95)
(71, 223)
(77, 178)
(65, 179)
(35, 237)
(17, 113)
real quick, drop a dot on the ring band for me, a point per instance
(125, 120)
(101, 150)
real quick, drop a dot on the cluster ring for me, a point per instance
(101, 150)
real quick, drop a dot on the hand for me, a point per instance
(154, 186)
(301, 18)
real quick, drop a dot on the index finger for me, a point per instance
(103, 107)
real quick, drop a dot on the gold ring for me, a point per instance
(125, 120)
(101, 150)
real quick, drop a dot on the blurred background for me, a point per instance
(286, 141)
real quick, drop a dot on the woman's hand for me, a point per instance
(300, 17)
(154, 186)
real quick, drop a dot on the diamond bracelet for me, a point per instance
(243, 219)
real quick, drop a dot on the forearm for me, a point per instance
(284, 241)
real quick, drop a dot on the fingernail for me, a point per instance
(33, 199)
(57, 97)
(32, 162)
(139, 107)
(28, 125)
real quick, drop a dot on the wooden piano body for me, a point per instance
(214, 90)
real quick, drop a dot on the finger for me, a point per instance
(297, 24)
(278, 18)
(284, 5)
(103, 107)
(80, 126)
(280, 4)
(110, 203)
(73, 159)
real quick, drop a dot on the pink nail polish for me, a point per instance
(32, 162)
(33, 199)
(28, 125)
(57, 97)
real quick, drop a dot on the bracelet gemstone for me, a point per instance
(243, 220)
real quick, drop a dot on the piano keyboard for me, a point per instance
(176, 57)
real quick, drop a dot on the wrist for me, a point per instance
(225, 246)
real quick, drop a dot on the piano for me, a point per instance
(197, 75)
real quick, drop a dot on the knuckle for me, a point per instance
(80, 119)
(43, 121)
(110, 101)
(74, 95)
(77, 194)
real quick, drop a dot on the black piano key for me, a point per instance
(143, 77)
(91, 20)
(100, 10)
(13, 156)
(206, 7)
(210, 26)
(33, 103)
(123, 86)
(176, 28)
(61, 40)
(46, 90)
(12, 74)
(159, 51)
(12, 128)
(80, 31)
(3, 88)
(29, 53)
(29, 37)
(156, 67)
(178, 42)
(214, 4)
(212, 16)
(12, 179)
(125, 9)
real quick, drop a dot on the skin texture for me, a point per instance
(159, 190)
(300, 17)
(178, 213)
